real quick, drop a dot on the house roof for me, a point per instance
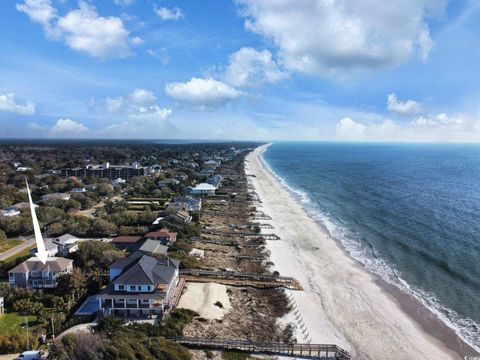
(154, 247)
(187, 199)
(126, 239)
(148, 270)
(54, 264)
(163, 233)
(204, 186)
(65, 239)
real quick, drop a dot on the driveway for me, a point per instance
(17, 249)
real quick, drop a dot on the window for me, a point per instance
(149, 288)
(133, 288)
(121, 287)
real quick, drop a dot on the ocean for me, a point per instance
(409, 213)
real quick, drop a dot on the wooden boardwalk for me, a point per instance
(240, 279)
(307, 351)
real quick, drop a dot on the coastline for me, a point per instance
(343, 303)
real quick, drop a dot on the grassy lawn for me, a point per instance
(12, 323)
(8, 244)
(22, 253)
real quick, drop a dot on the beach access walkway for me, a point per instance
(307, 351)
(240, 279)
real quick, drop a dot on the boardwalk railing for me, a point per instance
(237, 278)
(311, 351)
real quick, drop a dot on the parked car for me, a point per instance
(30, 355)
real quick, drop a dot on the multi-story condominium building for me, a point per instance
(106, 170)
(32, 273)
(140, 284)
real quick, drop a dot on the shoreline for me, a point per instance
(344, 303)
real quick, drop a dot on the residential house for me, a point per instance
(139, 285)
(167, 183)
(9, 212)
(215, 180)
(165, 236)
(66, 243)
(119, 181)
(32, 273)
(186, 203)
(180, 217)
(50, 248)
(56, 197)
(203, 189)
(127, 242)
(154, 169)
(79, 190)
(22, 206)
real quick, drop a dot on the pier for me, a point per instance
(306, 351)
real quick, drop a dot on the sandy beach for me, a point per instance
(341, 303)
(203, 297)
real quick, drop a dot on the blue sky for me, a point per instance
(354, 70)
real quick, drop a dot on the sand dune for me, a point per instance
(342, 303)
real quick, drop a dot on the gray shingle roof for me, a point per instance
(54, 264)
(148, 270)
(154, 247)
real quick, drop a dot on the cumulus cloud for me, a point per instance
(349, 129)
(323, 37)
(138, 105)
(205, 93)
(249, 67)
(403, 108)
(440, 120)
(68, 128)
(165, 13)
(9, 104)
(123, 2)
(82, 29)
(40, 11)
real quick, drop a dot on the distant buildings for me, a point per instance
(106, 170)
(79, 190)
(56, 197)
(140, 284)
(168, 183)
(9, 212)
(186, 203)
(203, 189)
(32, 273)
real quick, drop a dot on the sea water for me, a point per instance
(408, 212)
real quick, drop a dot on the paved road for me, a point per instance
(17, 249)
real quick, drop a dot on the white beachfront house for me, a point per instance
(140, 284)
(203, 189)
